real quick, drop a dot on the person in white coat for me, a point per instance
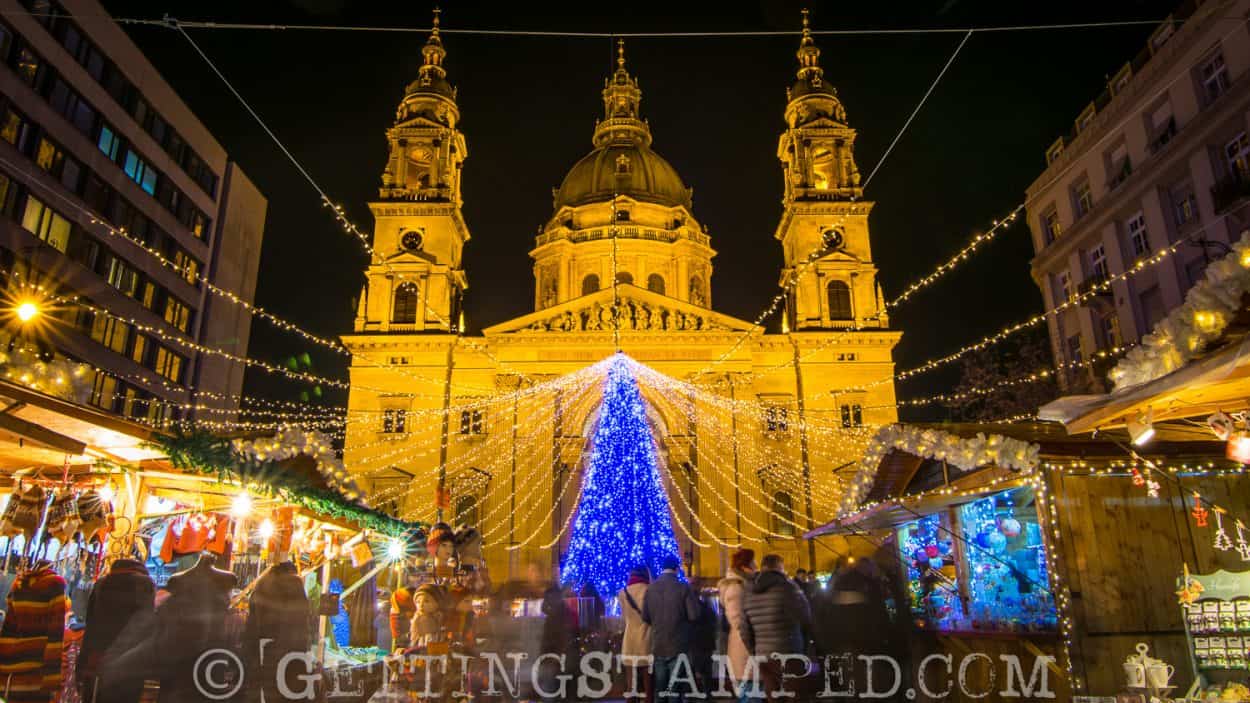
(739, 576)
(637, 639)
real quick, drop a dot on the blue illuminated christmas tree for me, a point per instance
(622, 519)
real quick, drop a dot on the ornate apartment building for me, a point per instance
(1160, 161)
(622, 259)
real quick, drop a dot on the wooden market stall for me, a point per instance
(247, 502)
(1192, 371)
(1022, 539)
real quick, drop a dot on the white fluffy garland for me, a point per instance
(1209, 307)
(62, 378)
(291, 442)
(962, 453)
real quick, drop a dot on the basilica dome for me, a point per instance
(623, 168)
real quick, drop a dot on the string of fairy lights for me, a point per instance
(685, 399)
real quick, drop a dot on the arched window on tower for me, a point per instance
(783, 514)
(840, 301)
(624, 277)
(466, 511)
(655, 283)
(590, 284)
(404, 310)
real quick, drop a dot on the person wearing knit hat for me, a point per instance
(740, 574)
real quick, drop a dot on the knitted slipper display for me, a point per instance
(63, 517)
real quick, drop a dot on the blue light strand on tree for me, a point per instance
(623, 518)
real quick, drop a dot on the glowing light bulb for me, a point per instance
(395, 550)
(27, 311)
(107, 493)
(266, 529)
(241, 506)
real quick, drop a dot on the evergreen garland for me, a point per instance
(205, 453)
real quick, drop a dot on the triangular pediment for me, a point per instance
(410, 257)
(824, 123)
(637, 309)
(419, 121)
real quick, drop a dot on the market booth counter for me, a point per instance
(1022, 540)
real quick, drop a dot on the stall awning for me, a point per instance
(39, 431)
(1219, 381)
(892, 513)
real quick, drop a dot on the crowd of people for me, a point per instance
(762, 612)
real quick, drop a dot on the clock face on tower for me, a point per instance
(832, 238)
(411, 240)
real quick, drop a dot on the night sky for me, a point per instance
(528, 107)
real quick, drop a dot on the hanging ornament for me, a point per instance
(983, 540)
(1152, 488)
(1138, 479)
(1243, 547)
(1222, 540)
(931, 550)
(997, 542)
(1010, 527)
(1200, 513)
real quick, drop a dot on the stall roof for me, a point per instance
(39, 431)
(1218, 381)
(885, 515)
(898, 468)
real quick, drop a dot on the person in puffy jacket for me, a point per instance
(776, 619)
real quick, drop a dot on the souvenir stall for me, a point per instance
(283, 503)
(1191, 371)
(98, 511)
(1019, 539)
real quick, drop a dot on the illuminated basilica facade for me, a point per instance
(623, 262)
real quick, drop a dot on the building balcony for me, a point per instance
(421, 195)
(1229, 191)
(622, 232)
(1095, 287)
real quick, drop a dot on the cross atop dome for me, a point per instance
(811, 97)
(621, 98)
(809, 54)
(431, 76)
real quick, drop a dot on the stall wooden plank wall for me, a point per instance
(1121, 553)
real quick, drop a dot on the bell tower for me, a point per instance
(415, 280)
(824, 227)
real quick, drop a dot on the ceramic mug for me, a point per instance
(1160, 674)
(1136, 675)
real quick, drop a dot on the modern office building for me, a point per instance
(1159, 162)
(112, 190)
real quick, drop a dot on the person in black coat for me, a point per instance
(670, 608)
(703, 633)
(119, 614)
(277, 620)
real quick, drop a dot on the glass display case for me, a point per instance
(928, 550)
(992, 578)
(1008, 585)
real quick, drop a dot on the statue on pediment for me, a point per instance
(642, 320)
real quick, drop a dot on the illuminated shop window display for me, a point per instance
(1008, 587)
(928, 549)
(992, 578)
